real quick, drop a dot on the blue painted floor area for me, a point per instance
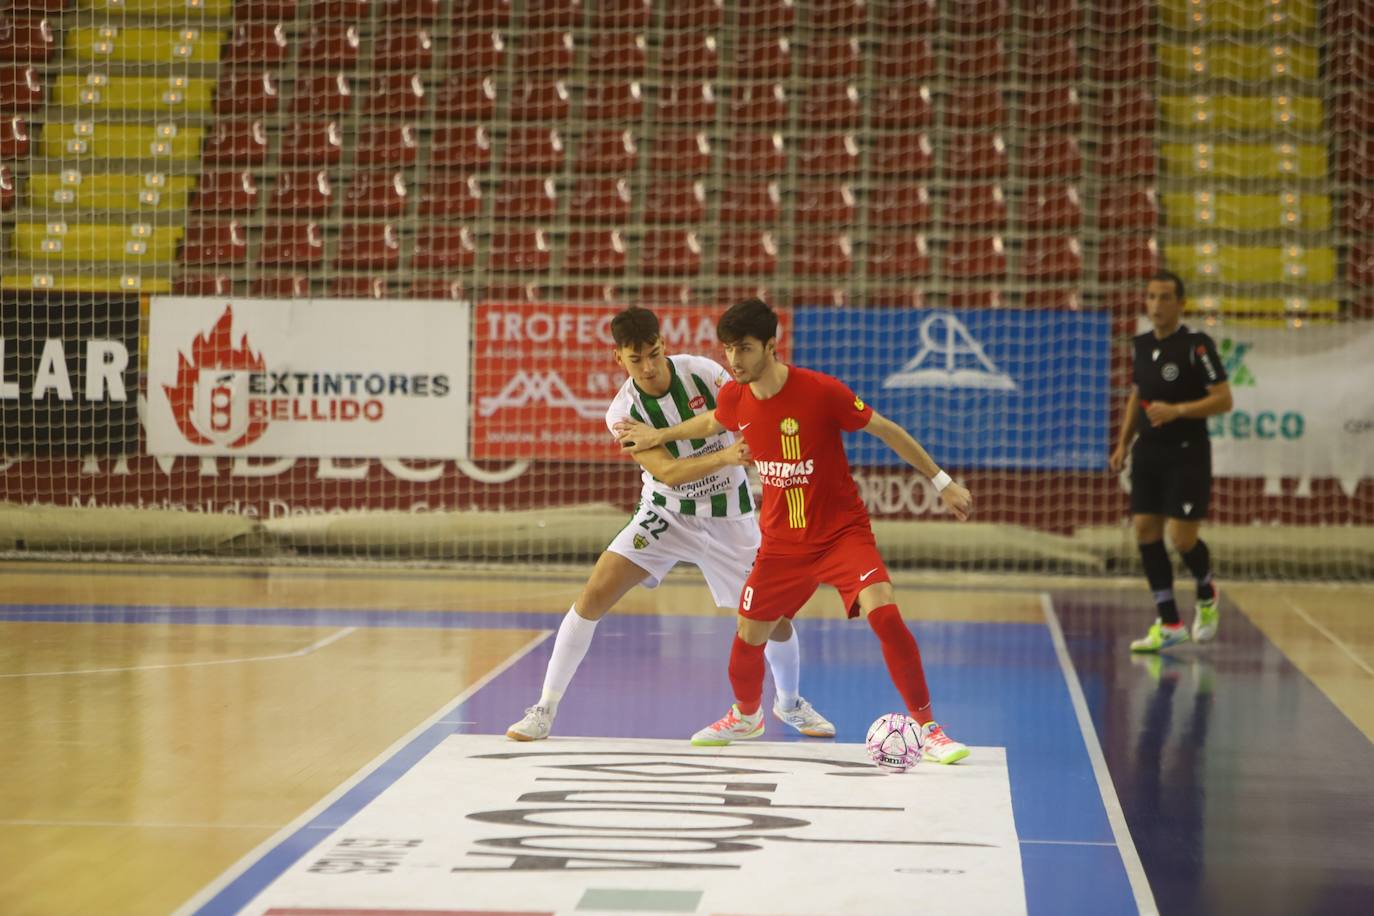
(1245, 789)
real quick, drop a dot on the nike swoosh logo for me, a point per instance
(744, 426)
(867, 574)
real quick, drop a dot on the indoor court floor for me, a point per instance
(306, 740)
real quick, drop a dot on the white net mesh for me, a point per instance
(957, 203)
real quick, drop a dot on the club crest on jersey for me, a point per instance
(1169, 372)
(640, 542)
(789, 426)
(858, 403)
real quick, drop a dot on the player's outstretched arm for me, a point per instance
(1123, 443)
(955, 496)
(677, 471)
(638, 437)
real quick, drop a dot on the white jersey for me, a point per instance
(695, 382)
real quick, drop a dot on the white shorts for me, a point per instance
(723, 549)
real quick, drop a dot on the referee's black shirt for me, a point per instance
(1173, 370)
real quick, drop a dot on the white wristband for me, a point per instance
(941, 480)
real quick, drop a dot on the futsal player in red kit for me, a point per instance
(815, 527)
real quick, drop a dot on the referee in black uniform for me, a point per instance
(1178, 383)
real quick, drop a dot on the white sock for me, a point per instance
(569, 648)
(784, 660)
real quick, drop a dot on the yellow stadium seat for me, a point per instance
(1233, 113)
(147, 192)
(1239, 62)
(96, 91)
(1280, 210)
(1294, 306)
(1244, 160)
(149, 46)
(1237, 264)
(133, 243)
(87, 283)
(1287, 16)
(89, 139)
(188, 9)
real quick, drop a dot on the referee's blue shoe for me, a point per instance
(1160, 636)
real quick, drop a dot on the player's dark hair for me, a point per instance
(750, 318)
(634, 327)
(1171, 277)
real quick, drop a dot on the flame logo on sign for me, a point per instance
(209, 353)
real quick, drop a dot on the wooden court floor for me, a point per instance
(159, 722)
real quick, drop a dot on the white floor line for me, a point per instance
(313, 647)
(1135, 871)
(1336, 640)
(207, 893)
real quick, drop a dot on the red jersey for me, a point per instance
(809, 495)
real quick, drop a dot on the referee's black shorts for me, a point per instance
(1171, 480)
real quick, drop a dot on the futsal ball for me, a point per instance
(894, 743)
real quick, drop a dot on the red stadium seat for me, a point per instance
(1061, 298)
(14, 137)
(621, 101)
(210, 283)
(1048, 60)
(681, 153)
(1122, 17)
(899, 207)
(395, 95)
(1351, 61)
(280, 286)
(976, 59)
(899, 255)
(1124, 60)
(1126, 109)
(547, 53)
(1127, 207)
(322, 94)
(902, 106)
(442, 288)
(341, 10)
(757, 105)
(604, 152)
(1049, 17)
(26, 39)
(443, 248)
(265, 10)
(903, 154)
(403, 47)
(974, 257)
(1050, 109)
(462, 146)
(824, 205)
(251, 92)
(830, 106)
(1359, 266)
(257, 44)
(214, 243)
(1354, 158)
(750, 201)
(450, 195)
(620, 14)
(905, 16)
(617, 54)
(1122, 258)
(478, 52)
(240, 143)
(1049, 155)
(826, 56)
(978, 205)
(7, 189)
(376, 193)
(524, 251)
(311, 143)
(903, 58)
(525, 198)
(332, 47)
(767, 16)
(600, 200)
(384, 143)
(230, 191)
(301, 193)
(675, 200)
(838, 15)
(482, 14)
(670, 253)
(755, 154)
(975, 155)
(423, 12)
(1053, 258)
(975, 107)
(973, 17)
(359, 288)
(1353, 110)
(599, 251)
(539, 100)
(1357, 211)
(1125, 157)
(21, 90)
(828, 155)
(746, 253)
(533, 149)
(817, 256)
(685, 104)
(689, 55)
(368, 246)
(762, 56)
(1051, 206)
(463, 97)
(975, 299)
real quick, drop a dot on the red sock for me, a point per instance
(903, 660)
(746, 675)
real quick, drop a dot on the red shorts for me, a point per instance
(780, 583)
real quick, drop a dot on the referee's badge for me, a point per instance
(1170, 372)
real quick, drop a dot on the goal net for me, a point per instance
(290, 279)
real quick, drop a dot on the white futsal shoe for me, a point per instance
(733, 726)
(804, 718)
(534, 727)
